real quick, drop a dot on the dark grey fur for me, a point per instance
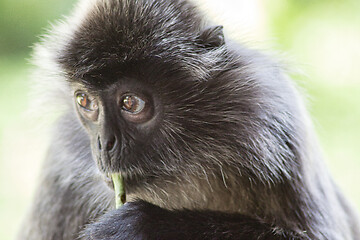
(230, 140)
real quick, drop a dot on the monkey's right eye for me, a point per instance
(88, 106)
(86, 102)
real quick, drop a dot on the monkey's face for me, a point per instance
(149, 121)
(157, 97)
(120, 119)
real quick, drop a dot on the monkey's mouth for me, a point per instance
(107, 179)
(116, 182)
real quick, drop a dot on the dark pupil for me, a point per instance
(129, 103)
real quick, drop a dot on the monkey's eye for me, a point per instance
(132, 104)
(86, 102)
(87, 105)
(136, 109)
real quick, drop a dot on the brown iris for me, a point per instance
(88, 105)
(132, 104)
(136, 108)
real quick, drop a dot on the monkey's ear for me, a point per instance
(212, 37)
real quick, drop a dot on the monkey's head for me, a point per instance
(160, 93)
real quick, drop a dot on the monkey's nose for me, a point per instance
(110, 144)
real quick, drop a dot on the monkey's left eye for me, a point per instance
(136, 109)
(132, 104)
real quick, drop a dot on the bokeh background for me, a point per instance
(318, 40)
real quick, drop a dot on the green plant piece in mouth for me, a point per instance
(119, 187)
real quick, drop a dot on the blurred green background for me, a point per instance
(322, 38)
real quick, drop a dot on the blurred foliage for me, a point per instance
(21, 21)
(321, 36)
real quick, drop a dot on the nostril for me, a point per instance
(111, 143)
(99, 143)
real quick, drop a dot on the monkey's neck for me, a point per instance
(208, 193)
(233, 194)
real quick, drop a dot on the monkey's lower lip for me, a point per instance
(107, 179)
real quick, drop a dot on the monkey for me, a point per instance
(211, 138)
